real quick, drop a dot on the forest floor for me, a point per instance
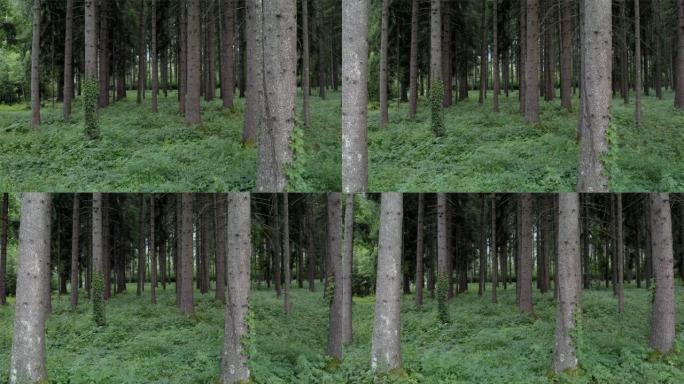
(142, 151)
(487, 152)
(484, 343)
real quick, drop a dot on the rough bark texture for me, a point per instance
(663, 312)
(186, 294)
(624, 52)
(596, 95)
(354, 96)
(566, 55)
(334, 347)
(442, 257)
(524, 279)
(679, 97)
(35, 65)
(234, 359)
(280, 89)
(306, 87)
(347, 263)
(227, 52)
(97, 261)
(193, 64)
(310, 246)
(27, 362)
(384, 45)
(68, 89)
(386, 347)
(75, 229)
(413, 66)
(569, 288)
(4, 226)
(532, 62)
(419, 250)
(220, 224)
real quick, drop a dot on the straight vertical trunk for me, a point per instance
(436, 85)
(420, 232)
(495, 56)
(155, 65)
(493, 248)
(286, 253)
(98, 261)
(413, 65)
(306, 88)
(679, 91)
(141, 53)
(566, 54)
(27, 361)
(386, 344)
(141, 246)
(638, 64)
(384, 45)
(185, 262)
(624, 52)
(446, 55)
(311, 248)
(663, 312)
(522, 55)
(483, 52)
(68, 89)
(194, 54)
(596, 94)
(532, 63)
(335, 333)
(75, 228)
(220, 225)
(483, 246)
(35, 65)
(255, 76)
(234, 359)
(153, 246)
(442, 258)
(549, 52)
(182, 54)
(524, 278)
(657, 39)
(354, 96)
(4, 226)
(280, 89)
(103, 65)
(347, 263)
(569, 289)
(620, 260)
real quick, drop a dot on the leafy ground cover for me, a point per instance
(142, 151)
(484, 343)
(487, 152)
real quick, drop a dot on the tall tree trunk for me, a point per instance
(420, 232)
(679, 97)
(657, 41)
(141, 247)
(310, 247)
(27, 362)
(483, 246)
(638, 64)
(194, 54)
(384, 45)
(446, 55)
(98, 258)
(483, 52)
(624, 52)
(354, 96)
(68, 89)
(234, 360)
(522, 67)
(493, 247)
(142, 65)
(286, 253)
(4, 226)
(549, 52)
(185, 262)
(442, 259)
(347, 263)
(495, 57)
(306, 88)
(524, 278)
(569, 288)
(620, 259)
(179, 249)
(663, 313)
(280, 89)
(103, 65)
(254, 110)
(386, 344)
(220, 225)
(35, 65)
(436, 86)
(182, 55)
(75, 228)
(596, 94)
(532, 63)
(335, 333)
(566, 54)
(413, 70)
(155, 65)
(153, 244)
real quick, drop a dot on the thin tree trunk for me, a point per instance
(182, 55)
(155, 65)
(141, 246)
(493, 247)
(442, 258)
(75, 228)
(624, 52)
(310, 250)
(384, 44)
(35, 65)
(4, 226)
(347, 263)
(185, 262)
(234, 359)
(420, 231)
(483, 52)
(68, 89)
(335, 333)
(532, 63)
(637, 61)
(657, 41)
(97, 261)
(306, 88)
(194, 54)
(103, 65)
(569, 290)
(524, 279)
(620, 259)
(386, 344)
(153, 244)
(436, 85)
(220, 225)
(413, 70)
(495, 57)
(663, 313)
(679, 91)
(286, 253)
(566, 54)
(141, 53)
(483, 246)
(27, 361)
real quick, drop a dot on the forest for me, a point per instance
(515, 96)
(172, 95)
(331, 288)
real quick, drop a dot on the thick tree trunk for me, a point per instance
(413, 70)
(280, 89)
(155, 65)
(306, 88)
(420, 232)
(27, 362)
(354, 96)
(347, 263)
(384, 45)
(68, 89)
(522, 55)
(566, 54)
(286, 253)
(185, 262)
(220, 225)
(679, 97)
(596, 95)
(194, 54)
(524, 279)
(335, 334)
(638, 64)
(549, 52)
(75, 228)
(446, 55)
(4, 226)
(35, 65)
(532, 63)
(386, 344)
(98, 261)
(663, 313)
(436, 86)
(569, 288)
(153, 246)
(255, 76)
(495, 57)
(234, 367)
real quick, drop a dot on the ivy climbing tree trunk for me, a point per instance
(27, 361)
(437, 87)
(98, 265)
(238, 335)
(90, 85)
(386, 344)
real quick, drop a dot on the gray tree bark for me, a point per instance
(35, 65)
(155, 65)
(663, 311)
(227, 52)
(620, 260)
(193, 64)
(234, 359)
(254, 110)
(185, 262)
(335, 334)
(386, 347)
(495, 56)
(637, 61)
(566, 54)
(306, 88)
(569, 278)
(532, 62)
(442, 254)
(495, 263)
(413, 66)
(347, 263)
(98, 261)
(27, 362)
(286, 253)
(220, 224)
(68, 90)
(75, 229)
(153, 252)
(595, 101)
(419, 250)
(384, 45)
(142, 65)
(280, 89)
(354, 96)
(524, 280)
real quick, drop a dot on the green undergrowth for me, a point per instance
(142, 151)
(482, 151)
(483, 343)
